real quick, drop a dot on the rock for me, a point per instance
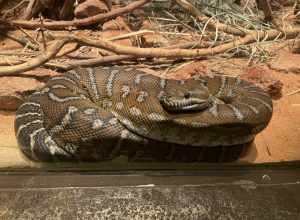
(40, 74)
(90, 8)
(13, 91)
(263, 78)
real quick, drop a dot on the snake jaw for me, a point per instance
(175, 104)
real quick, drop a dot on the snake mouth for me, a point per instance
(175, 104)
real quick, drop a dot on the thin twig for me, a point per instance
(179, 53)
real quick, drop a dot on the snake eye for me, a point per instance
(187, 95)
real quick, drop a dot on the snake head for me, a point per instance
(182, 99)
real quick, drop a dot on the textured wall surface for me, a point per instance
(262, 195)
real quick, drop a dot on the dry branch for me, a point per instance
(35, 62)
(180, 53)
(59, 25)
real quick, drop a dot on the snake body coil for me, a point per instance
(98, 111)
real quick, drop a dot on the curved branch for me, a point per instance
(35, 62)
(179, 53)
(58, 25)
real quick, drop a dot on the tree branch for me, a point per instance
(59, 25)
(35, 62)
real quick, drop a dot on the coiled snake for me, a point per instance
(92, 113)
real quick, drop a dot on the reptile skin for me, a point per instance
(95, 113)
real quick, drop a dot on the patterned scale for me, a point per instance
(94, 113)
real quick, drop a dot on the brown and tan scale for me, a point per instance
(110, 107)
